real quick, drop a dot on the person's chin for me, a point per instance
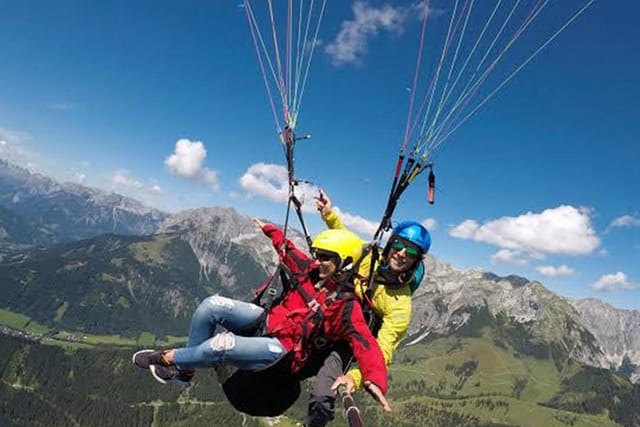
(397, 266)
(400, 268)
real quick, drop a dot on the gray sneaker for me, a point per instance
(145, 358)
(171, 374)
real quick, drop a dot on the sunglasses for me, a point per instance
(325, 256)
(399, 245)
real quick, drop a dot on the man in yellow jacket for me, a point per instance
(398, 274)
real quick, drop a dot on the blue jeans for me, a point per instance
(207, 349)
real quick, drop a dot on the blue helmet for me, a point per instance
(414, 232)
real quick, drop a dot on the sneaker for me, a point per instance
(171, 374)
(145, 358)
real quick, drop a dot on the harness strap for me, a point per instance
(272, 289)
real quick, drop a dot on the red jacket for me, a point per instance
(291, 322)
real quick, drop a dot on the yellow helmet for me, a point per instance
(343, 243)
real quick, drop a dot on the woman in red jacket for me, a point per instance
(320, 303)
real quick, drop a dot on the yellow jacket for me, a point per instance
(392, 305)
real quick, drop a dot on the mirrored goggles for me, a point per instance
(411, 251)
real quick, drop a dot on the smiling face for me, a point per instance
(327, 263)
(402, 255)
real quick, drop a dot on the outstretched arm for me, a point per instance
(292, 257)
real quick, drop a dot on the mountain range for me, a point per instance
(79, 259)
(37, 210)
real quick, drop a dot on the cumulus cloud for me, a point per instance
(614, 282)
(123, 179)
(465, 230)
(270, 181)
(187, 161)
(430, 223)
(367, 227)
(563, 230)
(351, 43)
(506, 256)
(625, 221)
(358, 224)
(553, 271)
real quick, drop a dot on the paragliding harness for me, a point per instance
(283, 281)
(400, 184)
(381, 275)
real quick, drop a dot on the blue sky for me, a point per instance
(165, 102)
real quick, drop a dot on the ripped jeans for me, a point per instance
(206, 349)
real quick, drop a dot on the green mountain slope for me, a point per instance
(117, 284)
(47, 386)
(472, 381)
(452, 381)
(482, 380)
(491, 369)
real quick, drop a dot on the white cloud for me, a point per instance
(563, 230)
(552, 271)
(614, 282)
(187, 162)
(506, 256)
(211, 178)
(465, 230)
(270, 181)
(430, 223)
(123, 182)
(13, 137)
(11, 147)
(625, 221)
(123, 179)
(350, 45)
(358, 224)
(79, 177)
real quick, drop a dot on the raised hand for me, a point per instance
(259, 223)
(323, 203)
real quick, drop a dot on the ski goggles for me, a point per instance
(411, 251)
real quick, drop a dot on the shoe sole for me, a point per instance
(133, 358)
(161, 380)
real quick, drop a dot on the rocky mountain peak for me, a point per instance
(50, 212)
(617, 331)
(450, 299)
(213, 232)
